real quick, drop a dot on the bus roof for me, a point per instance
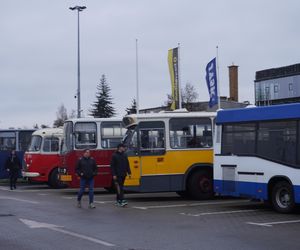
(17, 130)
(133, 118)
(49, 132)
(92, 119)
(275, 112)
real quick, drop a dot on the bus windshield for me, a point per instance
(35, 144)
(51, 144)
(67, 137)
(111, 134)
(7, 140)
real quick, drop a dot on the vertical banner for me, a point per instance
(211, 80)
(173, 68)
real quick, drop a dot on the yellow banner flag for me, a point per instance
(173, 68)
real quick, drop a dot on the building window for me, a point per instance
(290, 87)
(276, 89)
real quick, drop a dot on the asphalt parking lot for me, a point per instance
(36, 217)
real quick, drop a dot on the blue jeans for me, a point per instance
(83, 184)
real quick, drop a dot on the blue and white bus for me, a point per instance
(17, 139)
(257, 154)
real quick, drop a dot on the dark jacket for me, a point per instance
(119, 164)
(13, 164)
(86, 167)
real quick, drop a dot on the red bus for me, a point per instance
(42, 158)
(101, 136)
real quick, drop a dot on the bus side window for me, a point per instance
(190, 133)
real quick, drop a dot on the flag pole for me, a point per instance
(179, 89)
(218, 78)
(137, 75)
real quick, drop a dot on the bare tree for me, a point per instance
(61, 115)
(189, 94)
(72, 114)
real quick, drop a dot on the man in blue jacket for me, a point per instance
(120, 169)
(86, 169)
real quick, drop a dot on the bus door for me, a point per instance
(131, 140)
(152, 156)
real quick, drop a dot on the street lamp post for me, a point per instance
(78, 8)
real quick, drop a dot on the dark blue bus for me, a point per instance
(17, 139)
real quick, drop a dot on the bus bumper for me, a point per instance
(30, 174)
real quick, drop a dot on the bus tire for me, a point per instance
(283, 197)
(200, 185)
(184, 194)
(53, 180)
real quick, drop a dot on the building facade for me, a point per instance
(277, 85)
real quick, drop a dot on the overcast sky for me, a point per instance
(38, 52)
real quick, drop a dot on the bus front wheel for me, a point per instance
(200, 185)
(53, 180)
(283, 197)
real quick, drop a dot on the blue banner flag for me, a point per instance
(211, 80)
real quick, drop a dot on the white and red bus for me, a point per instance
(42, 158)
(101, 136)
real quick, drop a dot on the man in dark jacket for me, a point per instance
(120, 169)
(13, 166)
(86, 169)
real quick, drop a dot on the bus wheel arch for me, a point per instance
(53, 179)
(199, 181)
(281, 194)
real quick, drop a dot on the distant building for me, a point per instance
(277, 85)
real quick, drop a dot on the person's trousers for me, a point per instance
(13, 180)
(119, 183)
(83, 183)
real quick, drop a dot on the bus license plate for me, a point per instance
(65, 177)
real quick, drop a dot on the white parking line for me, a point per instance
(69, 197)
(189, 204)
(103, 202)
(221, 212)
(270, 224)
(16, 199)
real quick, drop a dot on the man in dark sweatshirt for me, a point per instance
(86, 169)
(120, 169)
(13, 166)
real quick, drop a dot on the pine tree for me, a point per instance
(132, 109)
(102, 107)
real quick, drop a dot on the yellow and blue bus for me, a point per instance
(257, 154)
(171, 151)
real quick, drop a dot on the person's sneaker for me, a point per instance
(92, 205)
(79, 204)
(124, 202)
(118, 203)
